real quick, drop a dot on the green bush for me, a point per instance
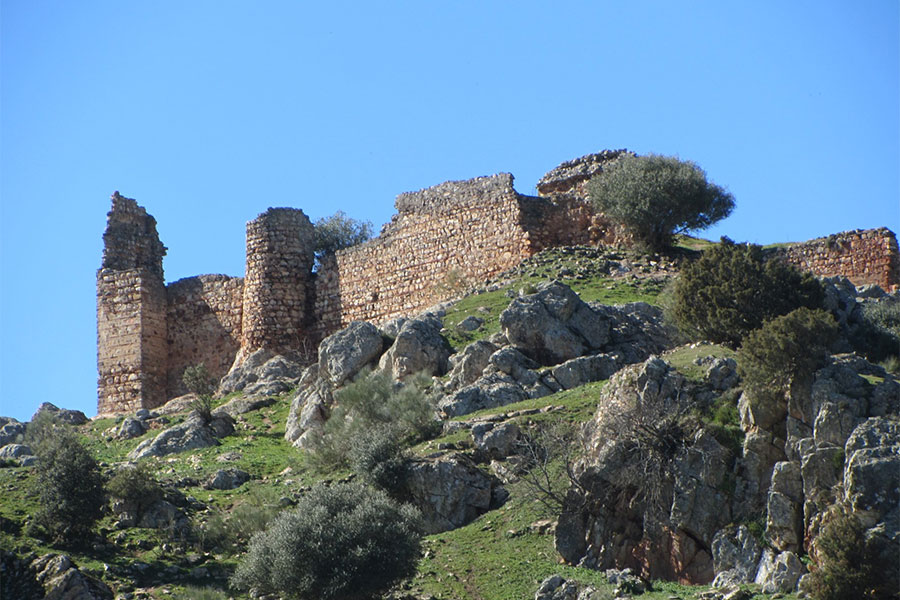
(787, 347)
(656, 197)
(732, 290)
(379, 459)
(370, 402)
(345, 541)
(338, 232)
(233, 531)
(198, 381)
(136, 487)
(70, 488)
(877, 337)
(852, 565)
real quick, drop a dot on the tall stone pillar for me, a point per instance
(131, 312)
(277, 283)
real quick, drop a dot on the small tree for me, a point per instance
(70, 488)
(338, 232)
(657, 196)
(732, 290)
(345, 541)
(198, 381)
(136, 487)
(787, 347)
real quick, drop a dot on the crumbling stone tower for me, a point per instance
(280, 252)
(131, 312)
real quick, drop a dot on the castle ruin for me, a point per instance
(148, 332)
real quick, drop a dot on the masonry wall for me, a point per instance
(131, 312)
(203, 316)
(276, 304)
(863, 256)
(440, 239)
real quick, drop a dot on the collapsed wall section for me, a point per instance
(131, 312)
(280, 246)
(863, 256)
(204, 326)
(441, 239)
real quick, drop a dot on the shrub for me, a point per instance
(70, 488)
(732, 290)
(338, 232)
(877, 336)
(373, 400)
(136, 487)
(787, 347)
(656, 197)
(379, 459)
(852, 565)
(345, 541)
(198, 381)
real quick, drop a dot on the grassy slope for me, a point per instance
(494, 558)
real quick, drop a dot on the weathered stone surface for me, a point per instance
(189, 435)
(579, 371)
(130, 427)
(11, 431)
(62, 580)
(871, 486)
(736, 555)
(722, 373)
(162, 514)
(450, 491)
(553, 325)
(64, 415)
(496, 440)
(779, 573)
(470, 323)
(227, 479)
(699, 506)
(309, 407)
(344, 353)
(419, 347)
(490, 391)
(241, 405)
(15, 451)
(262, 373)
(557, 588)
(467, 365)
(784, 507)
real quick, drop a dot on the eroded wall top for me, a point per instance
(131, 240)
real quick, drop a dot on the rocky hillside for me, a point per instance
(574, 447)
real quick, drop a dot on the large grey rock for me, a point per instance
(263, 373)
(189, 435)
(784, 508)
(553, 325)
(579, 371)
(18, 453)
(736, 555)
(450, 491)
(490, 391)
(699, 506)
(70, 417)
(779, 573)
(872, 463)
(496, 440)
(162, 514)
(130, 428)
(722, 374)
(467, 365)
(309, 407)
(11, 432)
(637, 331)
(62, 580)
(227, 479)
(243, 404)
(418, 347)
(344, 353)
(557, 588)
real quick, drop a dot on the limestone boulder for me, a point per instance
(227, 479)
(62, 580)
(490, 391)
(579, 371)
(262, 373)
(784, 507)
(418, 347)
(557, 588)
(467, 365)
(553, 325)
(721, 374)
(779, 572)
(162, 514)
(192, 434)
(11, 431)
(18, 453)
(69, 417)
(870, 471)
(345, 353)
(736, 555)
(244, 404)
(451, 491)
(637, 331)
(309, 407)
(131, 427)
(497, 440)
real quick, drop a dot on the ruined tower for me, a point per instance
(131, 312)
(280, 248)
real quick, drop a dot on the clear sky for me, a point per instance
(209, 112)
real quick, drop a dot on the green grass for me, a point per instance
(682, 358)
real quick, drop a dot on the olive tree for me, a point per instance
(655, 197)
(338, 232)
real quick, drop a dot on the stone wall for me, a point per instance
(280, 244)
(863, 256)
(131, 312)
(204, 326)
(442, 238)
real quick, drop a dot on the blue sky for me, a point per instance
(209, 112)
